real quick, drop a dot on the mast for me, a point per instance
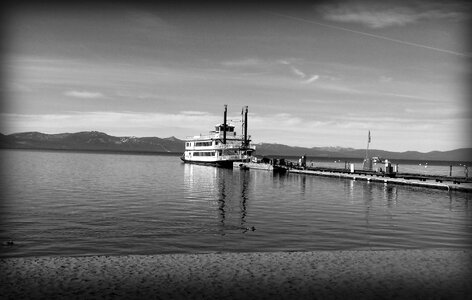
(245, 128)
(242, 124)
(367, 149)
(224, 124)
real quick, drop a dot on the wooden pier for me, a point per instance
(427, 181)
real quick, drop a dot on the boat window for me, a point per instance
(203, 153)
(221, 127)
(200, 144)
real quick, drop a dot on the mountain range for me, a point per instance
(99, 141)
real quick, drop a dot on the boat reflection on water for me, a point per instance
(227, 193)
(390, 194)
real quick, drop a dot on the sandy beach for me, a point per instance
(390, 274)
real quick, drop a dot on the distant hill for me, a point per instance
(90, 140)
(99, 141)
(464, 154)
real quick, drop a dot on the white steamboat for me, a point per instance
(221, 147)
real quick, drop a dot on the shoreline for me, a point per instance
(359, 160)
(360, 274)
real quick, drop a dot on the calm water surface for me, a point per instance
(66, 203)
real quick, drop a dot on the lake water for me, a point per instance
(72, 203)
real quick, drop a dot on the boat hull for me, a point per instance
(218, 163)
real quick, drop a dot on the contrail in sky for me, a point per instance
(370, 34)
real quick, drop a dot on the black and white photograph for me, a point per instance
(236, 150)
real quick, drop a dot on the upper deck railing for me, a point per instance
(230, 146)
(210, 136)
(216, 136)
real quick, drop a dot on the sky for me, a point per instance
(312, 75)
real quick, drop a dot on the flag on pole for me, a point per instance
(369, 137)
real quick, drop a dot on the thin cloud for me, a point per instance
(437, 113)
(247, 62)
(372, 19)
(374, 15)
(269, 66)
(84, 94)
(194, 112)
(385, 79)
(380, 15)
(283, 62)
(312, 79)
(306, 78)
(147, 20)
(298, 72)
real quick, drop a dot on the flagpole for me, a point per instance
(367, 149)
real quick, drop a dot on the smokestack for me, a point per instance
(245, 128)
(224, 125)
